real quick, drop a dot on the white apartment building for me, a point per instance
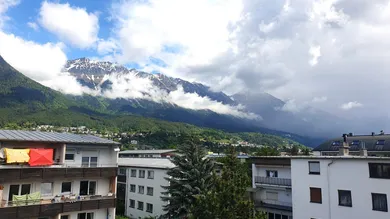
(271, 186)
(48, 175)
(340, 187)
(139, 183)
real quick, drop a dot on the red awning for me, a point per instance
(41, 157)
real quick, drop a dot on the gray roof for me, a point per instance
(52, 137)
(369, 142)
(159, 163)
(147, 151)
(309, 157)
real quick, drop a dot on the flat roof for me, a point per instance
(322, 157)
(158, 163)
(147, 151)
(51, 137)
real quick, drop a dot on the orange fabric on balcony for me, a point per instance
(41, 157)
(17, 155)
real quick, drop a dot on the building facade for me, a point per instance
(340, 187)
(49, 175)
(140, 182)
(147, 153)
(271, 186)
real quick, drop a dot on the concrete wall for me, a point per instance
(98, 214)
(336, 174)
(106, 155)
(156, 183)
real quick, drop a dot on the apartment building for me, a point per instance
(271, 186)
(139, 183)
(50, 175)
(165, 153)
(340, 187)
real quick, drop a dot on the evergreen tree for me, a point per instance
(267, 151)
(228, 199)
(191, 175)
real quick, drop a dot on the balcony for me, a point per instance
(37, 173)
(274, 204)
(272, 181)
(47, 208)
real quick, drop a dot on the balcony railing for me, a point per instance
(274, 204)
(47, 208)
(272, 181)
(37, 173)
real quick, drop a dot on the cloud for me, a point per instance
(292, 106)
(351, 105)
(319, 99)
(33, 25)
(106, 46)
(4, 5)
(71, 24)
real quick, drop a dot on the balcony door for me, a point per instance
(19, 189)
(87, 187)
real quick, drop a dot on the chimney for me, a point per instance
(344, 150)
(350, 134)
(363, 151)
(382, 132)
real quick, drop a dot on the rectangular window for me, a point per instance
(150, 174)
(69, 157)
(19, 190)
(380, 142)
(379, 202)
(140, 206)
(87, 187)
(271, 173)
(141, 174)
(132, 203)
(66, 187)
(314, 167)
(64, 216)
(141, 189)
(149, 208)
(379, 170)
(149, 191)
(46, 189)
(122, 171)
(133, 173)
(315, 195)
(85, 161)
(85, 215)
(271, 195)
(345, 198)
(132, 188)
(89, 161)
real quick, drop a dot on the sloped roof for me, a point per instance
(368, 141)
(147, 151)
(160, 163)
(53, 137)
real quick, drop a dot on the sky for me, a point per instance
(329, 54)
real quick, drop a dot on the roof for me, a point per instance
(158, 163)
(369, 142)
(52, 137)
(147, 151)
(322, 157)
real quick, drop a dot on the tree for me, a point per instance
(267, 151)
(190, 176)
(306, 151)
(228, 199)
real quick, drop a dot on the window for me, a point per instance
(66, 187)
(150, 174)
(141, 189)
(19, 190)
(379, 170)
(345, 198)
(380, 142)
(355, 142)
(140, 206)
(132, 188)
(64, 216)
(379, 202)
(314, 167)
(69, 156)
(141, 174)
(46, 189)
(122, 171)
(87, 187)
(133, 173)
(149, 191)
(132, 203)
(271, 195)
(85, 215)
(89, 161)
(149, 208)
(271, 173)
(336, 143)
(315, 195)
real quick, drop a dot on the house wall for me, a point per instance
(336, 174)
(156, 183)
(283, 171)
(98, 214)
(107, 157)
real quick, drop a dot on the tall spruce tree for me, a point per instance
(191, 175)
(228, 199)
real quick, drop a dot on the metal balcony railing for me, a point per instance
(272, 181)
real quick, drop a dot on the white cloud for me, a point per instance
(291, 106)
(319, 99)
(33, 25)
(4, 5)
(351, 105)
(315, 52)
(106, 46)
(71, 24)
